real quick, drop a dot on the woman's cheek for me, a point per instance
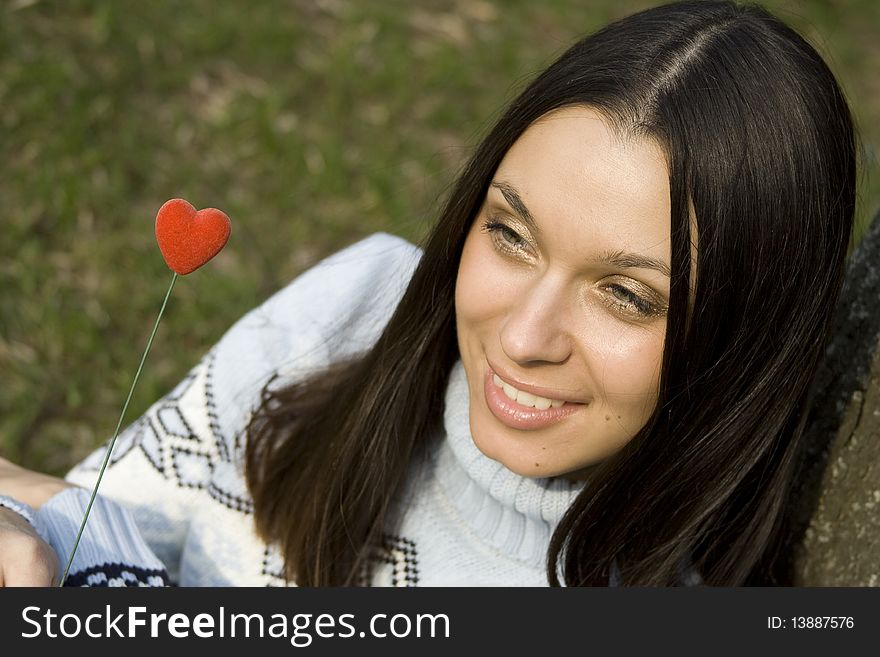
(485, 286)
(632, 373)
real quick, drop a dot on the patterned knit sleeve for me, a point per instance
(111, 551)
(177, 469)
(157, 471)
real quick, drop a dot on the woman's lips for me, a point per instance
(540, 391)
(517, 416)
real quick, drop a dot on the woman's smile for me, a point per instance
(518, 415)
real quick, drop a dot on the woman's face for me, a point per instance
(562, 290)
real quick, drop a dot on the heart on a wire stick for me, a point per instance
(188, 239)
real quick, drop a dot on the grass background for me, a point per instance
(311, 123)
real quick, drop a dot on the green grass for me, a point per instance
(311, 124)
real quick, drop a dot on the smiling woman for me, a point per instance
(564, 320)
(595, 371)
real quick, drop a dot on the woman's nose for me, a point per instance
(534, 329)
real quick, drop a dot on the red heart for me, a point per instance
(188, 239)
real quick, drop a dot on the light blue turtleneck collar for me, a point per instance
(514, 514)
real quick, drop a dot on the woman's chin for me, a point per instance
(517, 463)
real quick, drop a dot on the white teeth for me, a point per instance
(542, 403)
(526, 398)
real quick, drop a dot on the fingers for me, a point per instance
(25, 558)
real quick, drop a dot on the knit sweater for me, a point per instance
(173, 504)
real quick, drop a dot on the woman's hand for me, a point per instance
(25, 558)
(32, 488)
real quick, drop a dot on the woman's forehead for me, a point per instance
(580, 180)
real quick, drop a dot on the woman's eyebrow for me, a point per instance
(619, 259)
(623, 260)
(516, 202)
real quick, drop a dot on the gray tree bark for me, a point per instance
(832, 537)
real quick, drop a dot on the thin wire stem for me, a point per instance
(116, 433)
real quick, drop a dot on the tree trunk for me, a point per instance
(832, 534)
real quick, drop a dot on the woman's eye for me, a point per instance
(507, 239)
(632, 302)
(622, 298)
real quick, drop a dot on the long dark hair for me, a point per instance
(761, 155)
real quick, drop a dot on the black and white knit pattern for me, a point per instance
(114, 574)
